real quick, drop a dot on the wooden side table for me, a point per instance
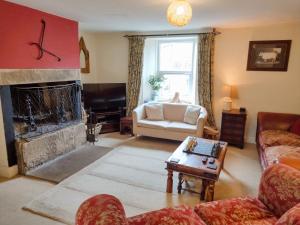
(233, 127)
(126, 125)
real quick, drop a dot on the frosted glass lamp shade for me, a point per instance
(179, 13)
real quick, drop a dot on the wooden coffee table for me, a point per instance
(192, 165)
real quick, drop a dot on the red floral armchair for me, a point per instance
(278, 203)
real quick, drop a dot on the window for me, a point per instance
(176, 59)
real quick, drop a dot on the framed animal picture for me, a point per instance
(269, 55)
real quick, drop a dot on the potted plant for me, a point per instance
(155, 82)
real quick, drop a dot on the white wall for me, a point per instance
(258, 91)
(108, 57)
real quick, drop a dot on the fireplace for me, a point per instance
(40, 117)
(47, 121)
(45, 107)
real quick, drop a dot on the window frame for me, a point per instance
(191, 73)
(179, 40)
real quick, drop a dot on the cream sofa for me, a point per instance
(172, 127)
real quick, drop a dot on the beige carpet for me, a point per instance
(134, 172)
(64, 166)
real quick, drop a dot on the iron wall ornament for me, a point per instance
(39, 45)
(269, 55)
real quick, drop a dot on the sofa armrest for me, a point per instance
(279, 188)
(108, 210)
(291, 217)
(101, 209)
(274, 121)
(201, 121)
(137, 114)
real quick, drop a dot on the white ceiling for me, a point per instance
(149, 15)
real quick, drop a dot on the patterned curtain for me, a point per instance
(205, 74)
(135, 70)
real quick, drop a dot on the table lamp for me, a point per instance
(227, 97)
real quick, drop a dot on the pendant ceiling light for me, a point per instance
(179, 13)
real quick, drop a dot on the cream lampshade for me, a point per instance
(227, 97)
(179, 13)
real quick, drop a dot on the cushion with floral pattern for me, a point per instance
(275, 153)
(235, 211)
(182, 215)
(270, 138)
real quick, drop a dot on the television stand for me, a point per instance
(110, 120)
(105, 103)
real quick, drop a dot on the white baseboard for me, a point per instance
(251, 140)
(8, 172)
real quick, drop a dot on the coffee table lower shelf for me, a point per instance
(207, 189)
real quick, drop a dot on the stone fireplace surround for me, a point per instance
(8, 166)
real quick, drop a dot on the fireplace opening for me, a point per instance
(45, 107)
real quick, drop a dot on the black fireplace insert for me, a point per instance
(45, 107)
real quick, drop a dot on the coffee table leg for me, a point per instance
(170, 181)
(179, 188)
(210, 191)
(203, 189)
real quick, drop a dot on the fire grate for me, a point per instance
(43, 109)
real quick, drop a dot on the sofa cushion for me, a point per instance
(268, 138)
(154, 111)
(174, 111)
(282, 152)
(191, 114)
(292, 159)
(291, 217)
(235, 211)
(279, 188)
(169, 216)
(296, 127)
(182, 127)
(153, 124)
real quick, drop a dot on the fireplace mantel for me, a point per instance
(30, 76)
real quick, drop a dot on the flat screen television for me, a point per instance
(104, 97)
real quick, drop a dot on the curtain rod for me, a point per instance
(170, 35)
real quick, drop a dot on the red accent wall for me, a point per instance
(21, 25)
